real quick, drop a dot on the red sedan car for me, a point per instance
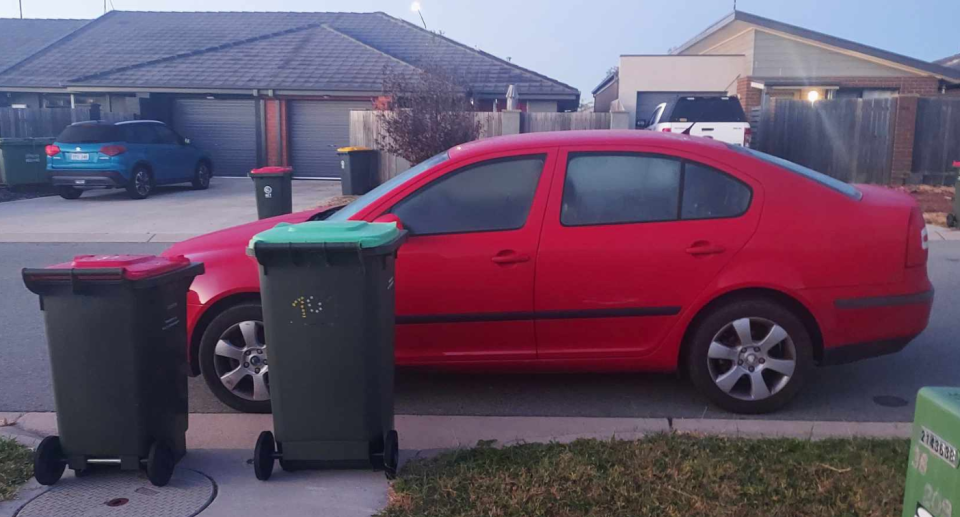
(610, 251)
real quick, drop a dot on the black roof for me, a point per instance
(833, 41)
(246, 50)
(21, 38)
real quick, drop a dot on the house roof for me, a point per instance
(21, 38)
(800, 32)
(951, 61)
(611, 76)
(244, 50)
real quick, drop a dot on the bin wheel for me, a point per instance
(391, 454)
(160, 464)
(48, 464)
(263, 456)
(952, 221)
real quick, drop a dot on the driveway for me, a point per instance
(171, 214)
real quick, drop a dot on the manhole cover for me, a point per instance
(890, 401)
(119, 493)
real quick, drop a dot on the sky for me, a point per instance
(578, 41)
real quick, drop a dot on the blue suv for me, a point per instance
(136, 155)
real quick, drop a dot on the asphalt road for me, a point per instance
(879, 389)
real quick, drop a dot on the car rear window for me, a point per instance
(707, 109)
(90, 134)
(821, 178)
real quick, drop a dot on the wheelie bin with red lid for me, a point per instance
(273, 188)
(127, 311)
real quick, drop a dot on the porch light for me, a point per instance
(813, 96)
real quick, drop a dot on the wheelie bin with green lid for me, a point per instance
(328, 311)
(129, 312)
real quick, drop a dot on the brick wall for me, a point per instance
(905, 127)
(275, 113)
(749, 97)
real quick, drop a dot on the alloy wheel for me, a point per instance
(141, 182)
(240, 360)
(203, 176)
(751, 359)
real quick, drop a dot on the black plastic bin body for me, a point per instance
(359, 170)
(328, 314)
(118, 357)
(274, 193)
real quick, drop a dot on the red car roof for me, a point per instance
(589, 137)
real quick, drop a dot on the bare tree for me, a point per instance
(425, 113)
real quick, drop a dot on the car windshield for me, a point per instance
(365, 200)
(821, 178)
(89, 134)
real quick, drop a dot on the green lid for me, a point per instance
(364, 234)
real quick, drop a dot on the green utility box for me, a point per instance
(23, 161)
(933, 477)
(328, 311)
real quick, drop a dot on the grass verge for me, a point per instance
(662, 475)
(16, 467)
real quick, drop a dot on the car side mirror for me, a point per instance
(642, 124)
(389, 218)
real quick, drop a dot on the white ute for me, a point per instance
(719, 118)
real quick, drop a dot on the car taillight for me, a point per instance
(666, 130)
(747, 137)
(917, 239)
(52, 150)
(113, 150)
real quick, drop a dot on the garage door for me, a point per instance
(648, 101)
(317, 129)
(226, 129)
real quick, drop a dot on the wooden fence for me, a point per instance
(48, 122)
(849, 139)
(540, 122)
(936, 143)
(365, 126)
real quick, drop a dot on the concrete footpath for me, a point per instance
(221, 447)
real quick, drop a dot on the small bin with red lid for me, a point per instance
(117, 339)
(274, 195)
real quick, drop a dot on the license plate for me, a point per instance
(79, 182)
(939, 447)
(79, 157)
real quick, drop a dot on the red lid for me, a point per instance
(134, 267)
(272, 170)
(956, 163)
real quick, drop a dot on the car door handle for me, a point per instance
(510, 257)
(705, 248)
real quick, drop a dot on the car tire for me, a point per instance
(212, 366)
(759, 376)
(141, 182)
(201, 176)
(69, 192)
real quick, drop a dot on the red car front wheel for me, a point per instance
(234, 361)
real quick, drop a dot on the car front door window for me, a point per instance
(491, 196)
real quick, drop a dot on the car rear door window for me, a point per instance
(486, 197)
(709, 193)
(166, 135)
(620, 188)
